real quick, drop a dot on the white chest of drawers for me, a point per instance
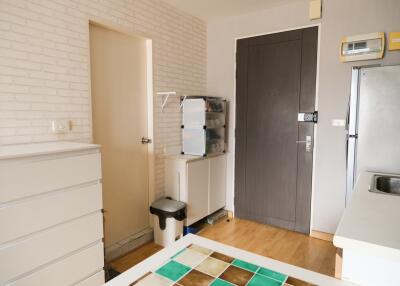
(51, 225)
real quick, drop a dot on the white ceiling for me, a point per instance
(211, 10)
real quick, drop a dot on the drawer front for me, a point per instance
(94, 280)
(68, 271)
(44, 247)
(26, 177)
(28, 216)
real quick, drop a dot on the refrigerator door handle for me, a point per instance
(347, 116)
(351, 165)
(351, 134)
(347, 131)
(347, 152)
(353, 103)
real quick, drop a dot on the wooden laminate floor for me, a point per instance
(284, 245)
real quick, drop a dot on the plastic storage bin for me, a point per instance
(168, 220)
(203, 126)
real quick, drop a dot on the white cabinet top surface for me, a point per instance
(371, 222)
(190, 158)
(46, 148)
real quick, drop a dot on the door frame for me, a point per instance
(319, 25)
(100, 22)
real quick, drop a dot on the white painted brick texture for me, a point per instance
(44, 65)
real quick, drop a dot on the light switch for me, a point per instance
(60, 126)
(338, 122)
(394, 41)
(315, 9)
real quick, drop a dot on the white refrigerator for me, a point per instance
(373, 123)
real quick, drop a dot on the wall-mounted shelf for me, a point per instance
(166, 95)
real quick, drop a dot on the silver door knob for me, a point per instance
(146, 140)
(308, 143)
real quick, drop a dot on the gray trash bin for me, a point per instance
(168, 220)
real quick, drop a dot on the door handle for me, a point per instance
(146, 140)
(308, 143)
(348, 117)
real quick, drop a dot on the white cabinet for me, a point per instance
(368, 234)
(198, 181)
(50, 214)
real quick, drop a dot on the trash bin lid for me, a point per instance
(168, 205)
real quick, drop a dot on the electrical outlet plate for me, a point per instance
(338, 122)
(60, 126)
(394, 41)
(315, 9)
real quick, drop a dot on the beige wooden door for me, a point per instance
(119, 107)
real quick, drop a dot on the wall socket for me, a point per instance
(338, 122)
(61, 126)
(315, 9)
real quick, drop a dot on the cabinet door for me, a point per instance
(197, 188)
(217, 183)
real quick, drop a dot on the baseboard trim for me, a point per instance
(124, 246)
(322, 235)
(230, 215)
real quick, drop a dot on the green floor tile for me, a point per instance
(260, 280)
(173, 270)
(245, 265)
(220, 282)
(273, 274)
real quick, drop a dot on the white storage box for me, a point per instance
(203, 126)
(200, 142)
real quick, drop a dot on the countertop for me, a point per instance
(36, 149)
(371, 222)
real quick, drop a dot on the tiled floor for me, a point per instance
(198, 266)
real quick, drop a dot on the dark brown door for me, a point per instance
(276, 76)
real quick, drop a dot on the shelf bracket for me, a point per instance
(183, 101)
(165, 95)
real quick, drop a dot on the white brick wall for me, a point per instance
(44, 65)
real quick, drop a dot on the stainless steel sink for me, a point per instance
(386, 184)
